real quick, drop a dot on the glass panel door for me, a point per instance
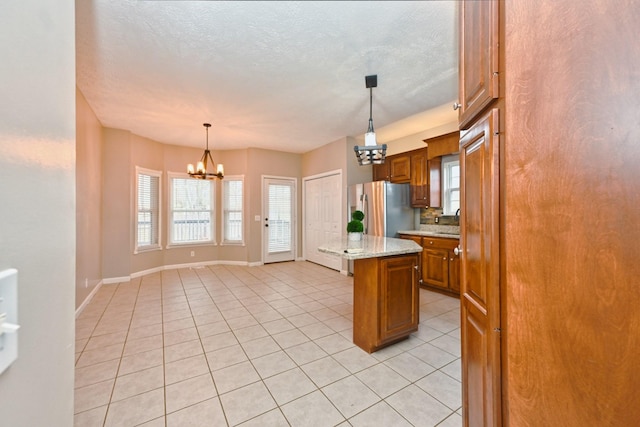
(279, 220)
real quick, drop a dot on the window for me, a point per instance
(191, 210)
(451, 184)
(147, 209)
(232, 196)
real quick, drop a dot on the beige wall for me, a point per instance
(88, 200)
(269, 163)
(117, 224)
(37, 208)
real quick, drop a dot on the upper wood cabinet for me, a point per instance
(381, 172)
(419, 179)
(435, 182)
(396, 168)
(400, 168)
(443, 145)
(478, 67)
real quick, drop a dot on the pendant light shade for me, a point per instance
(206, 165)
(371, 152)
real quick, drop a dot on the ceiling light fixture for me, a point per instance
(201, 169)
(371, 152)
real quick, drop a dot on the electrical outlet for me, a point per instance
(193, 253)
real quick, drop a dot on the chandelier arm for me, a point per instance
(208, 154)
(203, 159)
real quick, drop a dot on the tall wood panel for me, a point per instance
(480, 228)
(479, 58)
(572, 202)
(480, 284)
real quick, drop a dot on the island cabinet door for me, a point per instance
(435, 267)
(399, 297)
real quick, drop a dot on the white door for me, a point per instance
(279, 219)
(323, 218)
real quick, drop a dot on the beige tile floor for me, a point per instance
(257, 346)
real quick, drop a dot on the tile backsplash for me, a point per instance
(429, 215)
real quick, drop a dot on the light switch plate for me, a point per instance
(9, 326)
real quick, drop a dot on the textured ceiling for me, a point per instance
(286, 76)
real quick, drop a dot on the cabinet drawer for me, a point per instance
(437, 242)
(417, 239)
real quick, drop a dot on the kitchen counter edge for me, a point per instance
(430, 234)
(370, 247)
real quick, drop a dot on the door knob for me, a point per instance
(457, 250)
(456, 106)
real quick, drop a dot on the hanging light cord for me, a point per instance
(207, 126)
(370, 110)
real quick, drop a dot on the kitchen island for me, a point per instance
(386, 302)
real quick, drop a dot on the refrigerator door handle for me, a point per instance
(365, 205)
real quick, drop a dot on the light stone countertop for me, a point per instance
(444, 231)
(370, 247)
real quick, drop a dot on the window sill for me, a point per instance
(232, 243)
(144, 249)
(188, 244)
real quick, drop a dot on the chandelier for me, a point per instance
(200, 171)
(370, 152)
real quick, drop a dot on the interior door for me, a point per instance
(322, 217)
(480, 286)
(279, 203)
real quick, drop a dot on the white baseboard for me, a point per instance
(141, 273)
(112, 280)
(87, 300)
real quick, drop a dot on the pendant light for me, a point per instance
(371, 152)
(200, 171)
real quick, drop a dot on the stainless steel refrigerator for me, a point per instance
(386, 207)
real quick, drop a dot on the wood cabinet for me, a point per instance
(419, 179)
(381, 172)
(400, 168)
(396, 168)
(439, 265)
(454, 271)
(443, 145)
(480, 325)
(385, 300)
(420, 168)
(480, 192)
(425, 180)
(479, 59)
(435, 182)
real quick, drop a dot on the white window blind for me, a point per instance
(191, 211)
(451, 184)
(148, 209)
(232, 189)
(279, 218)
